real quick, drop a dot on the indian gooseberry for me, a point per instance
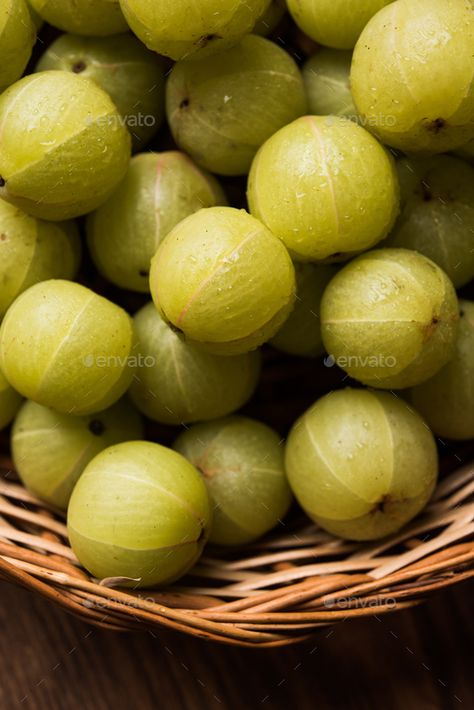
(82, 17)
(37, 19)
(131, 75)
(361, 463)
(63, 145)
(17, 37)
(300, 334)
(50, 450)
(411, 75)
(139, 511)
(241, 461)
(223, 280)
(184, 29)
(326, 80)
(335, 192)
(437, 216)
(65, 347)
(32, 251)
(447, 400)
(220, 112)
(158, 191)
(10, 402)
(334, 23)
(176, 383)
(271, 18)
(390, 318)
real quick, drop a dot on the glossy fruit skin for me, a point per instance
(390, 318)
(17, 37)
(82, 17)
(74, 153)
(335, 192)
(180, 384)
(32, 251)
(10, 402)
(437, 215)
(223, 280)
(158, 191)
(361, 463)
(131, 75)
(419, 98)
(50, 450)
(327, 84)
(241, 461)
(67, 348)
(447, 400)
(183, 29)
(220, 112)
(270, 19)
(139, 511)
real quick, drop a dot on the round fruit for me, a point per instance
(176, 383)
(82, 17)
(131, 75)
(159, 190)
(67, 348)
(361, 464)
(223, 280)
(326, 80)
(32, 251)
(51, 450)
(10, 402)
(17, 37)
(335, 192)
(184, 29)
(220, 112)
(300, 334)
(63, 145)
(139, 511)
(390, 318)
(241, 461)
(271, 18)
(37, 19)
(437, 217)
(447, 400)
(411, 75)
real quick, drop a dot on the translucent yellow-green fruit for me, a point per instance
(220, 112)
(300, 334)
(139, 511)
(411, 75)
(51, 450)
(82, 17)
(67, 348)
(241, 461)
(447, 399)
(37, 19)
(131, 75)
(271, 18)
(158, 191)
(10, 402)
(437, 216)
(390, 318)
(184, 29)
(17, 37)
(327, 84)
(223, 280)
(335, 191)
(175, 383)
(63, 145)
(32, 251)
(334, 23)
(361, 463)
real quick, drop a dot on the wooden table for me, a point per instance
(419, 659)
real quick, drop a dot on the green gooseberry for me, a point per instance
(241, 461)
(361, 463)
(335, 192)
(223, 280)
(177, 383)
(327, 84)
(67, 348)
(447, 400)
(139, 511)
(50, 450)
(271, 18)
(63, 145)
(390, 318)
(158, 191)
(220, 112)
(17, 37)
(32, 251)
(82, 17)
(37, 19)
(10, 402)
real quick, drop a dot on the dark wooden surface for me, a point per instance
(413, 660)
